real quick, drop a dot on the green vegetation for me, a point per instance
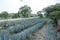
(4, 14)
(22, 35)
(39, 13)
(16, 15)
(53, 12)
(19, 30)
(24, 11)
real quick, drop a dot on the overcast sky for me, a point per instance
(12, 6)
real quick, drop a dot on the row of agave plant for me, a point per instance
(28, 27)
(22, 26)
(14, 23)
(51, 32)
(27, 32)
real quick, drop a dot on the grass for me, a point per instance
(1, 28)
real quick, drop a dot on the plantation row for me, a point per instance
(28, 27)
(27, 32)
(51, 32)
(14, 23)
(23, 25)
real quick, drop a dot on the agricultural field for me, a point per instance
(29, 20)
(25, 29)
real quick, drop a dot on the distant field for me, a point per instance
(12, 22)
(2, 20)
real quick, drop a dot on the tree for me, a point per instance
(51, 8)
(55, 15)
(24, 10)
(40, 14)
(53, 12)
(16, 15)
(4, 14)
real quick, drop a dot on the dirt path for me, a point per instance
(40, 34)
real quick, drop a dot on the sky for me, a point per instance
(12, 6)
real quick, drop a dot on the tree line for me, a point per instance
(53, 12)
(24, 11)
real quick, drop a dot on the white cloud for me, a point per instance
(14, 5)
(58, 1)
(37, 5)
